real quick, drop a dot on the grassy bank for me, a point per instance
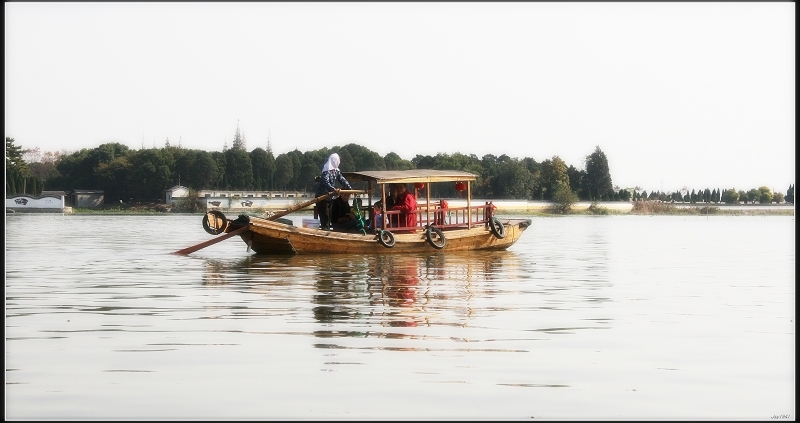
(651, 208)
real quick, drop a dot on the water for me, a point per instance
(608, 317)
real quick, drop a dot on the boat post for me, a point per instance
(469, 205)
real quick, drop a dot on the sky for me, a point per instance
(676, 94)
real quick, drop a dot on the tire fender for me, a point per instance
(386, 238)
(435, 237)
(497, 228)
(215, 222)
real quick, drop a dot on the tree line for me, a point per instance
(144, 175)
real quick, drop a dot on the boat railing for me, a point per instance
(442, 217)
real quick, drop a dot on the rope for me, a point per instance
(359, 217)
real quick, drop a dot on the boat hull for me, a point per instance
(271, 237)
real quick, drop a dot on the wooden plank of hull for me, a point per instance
(266, 237)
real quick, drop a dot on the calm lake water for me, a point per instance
(606, 317)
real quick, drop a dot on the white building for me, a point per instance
(236, 199)
(48, 202)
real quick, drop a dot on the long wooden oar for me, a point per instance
(205, 244)
(211, 242)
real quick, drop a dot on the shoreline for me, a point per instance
(512, 208)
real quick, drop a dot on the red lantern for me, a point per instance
(460, 186)
(419, 185)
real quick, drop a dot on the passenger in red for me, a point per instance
(406, 203)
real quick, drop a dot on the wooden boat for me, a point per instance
(438, 228)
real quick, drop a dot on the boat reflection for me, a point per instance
(405, 290)
(373, 291)
(395, 291)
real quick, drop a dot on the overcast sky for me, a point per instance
(675, 94)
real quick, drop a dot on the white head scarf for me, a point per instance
(332, 163)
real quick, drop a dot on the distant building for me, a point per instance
(86, 198)
(174, 194)
(47, 202)
(233, 199)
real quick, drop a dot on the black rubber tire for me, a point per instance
(435, 237)
(497, 228)
(214, 230)
(386, 239)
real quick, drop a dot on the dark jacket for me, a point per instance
(328, 180)
(339, 208)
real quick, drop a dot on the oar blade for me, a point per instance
(205, 244)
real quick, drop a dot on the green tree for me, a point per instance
(239, 142)
(297, 167)
(197, 169)
(778, 197)
(151, 174)
(106, 153)
(238, 169)
(46, 167)
(481, 187)
(490, 167)
(563, 198)
(363, 158)
(423, 162)
(221, 182)
(753, 195)
(269, 171)
(80, 168)
(743, 196)
(393, 162)
(284, 171)
(11, 183)
(76, 171)
(14, 160)
(764, 195)
(312, 163)
(598, 176)
(258, 157)
(114, 178)
(790, 194)
(206, 171)
(578, 182)
(730, 196)
(513, 181)
(18, 177)
(554, 172)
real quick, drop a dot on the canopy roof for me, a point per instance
(409, 176)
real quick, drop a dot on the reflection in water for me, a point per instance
(386, 296)
(395, 291)
(215, 273)
(403, 290)
(378, 295)
(337, 287)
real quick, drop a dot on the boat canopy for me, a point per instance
(409, 176)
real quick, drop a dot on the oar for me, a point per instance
(273, 217)
(315, 200)
(211, 242)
